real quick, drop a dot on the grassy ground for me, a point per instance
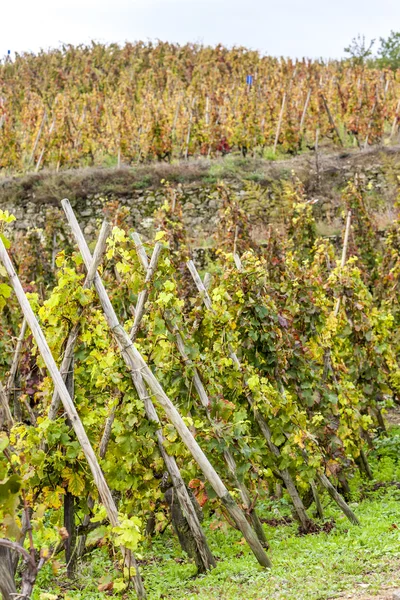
(345, 562)
(48, 186)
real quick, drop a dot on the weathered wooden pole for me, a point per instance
(98, 476)
(205, 401)
(5, 407)
(331, 121)
(344, 255)
(164, 401)
(260, 420)
(73, 335)
(16, 359)
(278, 129)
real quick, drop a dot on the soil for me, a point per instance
(384, 594)
(393, 416)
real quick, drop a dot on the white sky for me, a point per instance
(296, 28)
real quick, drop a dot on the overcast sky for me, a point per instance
(296, 28)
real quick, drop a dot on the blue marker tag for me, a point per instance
(249, 79)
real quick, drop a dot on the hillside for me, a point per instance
(140, 189)
(109, 105)
(199, 326)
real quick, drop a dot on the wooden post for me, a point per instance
(44, 118)
(261, 422)
(317, 500)
(317, 157)
(189, 129)
(207, 280)
(39, 162)
(73, 335)
(331, 121)
(138, 364)
(395, 122)
(278, 129)
(207, 120)
(370, 125)
(4, 407)
(16, 359)
(334, 494)
(303, 116)
(344, 255)
(98, 476)
(143, 295)
(229, 459)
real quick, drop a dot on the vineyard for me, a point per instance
(139, 389)
(107, 105)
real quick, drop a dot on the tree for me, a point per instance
(359, 50)
(389, 51)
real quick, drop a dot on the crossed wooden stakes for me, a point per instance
(143, 380)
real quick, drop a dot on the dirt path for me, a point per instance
(384, 594)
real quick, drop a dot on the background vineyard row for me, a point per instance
(107, 105)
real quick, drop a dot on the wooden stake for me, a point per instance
(303, 116)
(98, 476)
(331, 121)
(370, 125)
(344, 255)
(73, 335)
(144, 294)
(139, 365)
(278, 129)
(265, 430)
(395, 122)
(189, 129)
(140, 250)
(8, 419)
(16, 359)
(207, 280)
(317, 500)
(334, 494)
(44, 118)
(317, 157)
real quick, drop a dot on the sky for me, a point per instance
(296, 28)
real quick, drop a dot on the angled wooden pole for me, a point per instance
(344, 256)
(303, 116)
(16, 359)
(138, 364)
(261, 421)
(207, 560)
(5, 407)
(331, 121)
(98, 476)
(395, 122)
(205, 402)
(144, 294)
(73, 335)
(278, 129)
(206, 557)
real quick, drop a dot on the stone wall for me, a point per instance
(200, 211)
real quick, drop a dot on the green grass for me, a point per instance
(312, 567)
